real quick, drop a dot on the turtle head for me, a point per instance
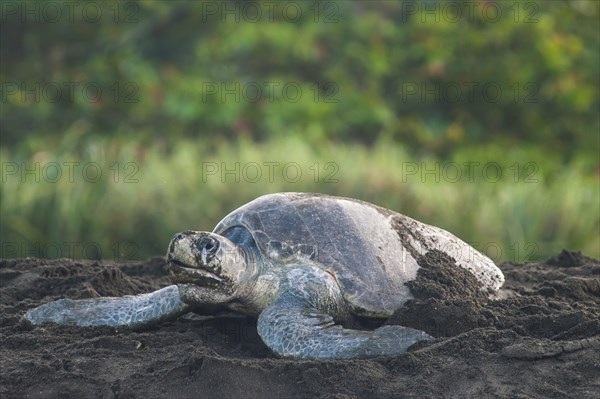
(207, 267)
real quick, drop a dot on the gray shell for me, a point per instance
(370, 250)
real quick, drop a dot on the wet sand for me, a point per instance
(541, 339)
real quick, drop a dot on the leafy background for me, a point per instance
(370, 110)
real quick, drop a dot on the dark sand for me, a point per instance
(541, 341)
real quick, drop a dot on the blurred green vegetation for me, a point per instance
(354, 95)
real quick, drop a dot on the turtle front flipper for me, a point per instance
(128, 311)
(291, 327)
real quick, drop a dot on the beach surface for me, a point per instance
(539, 339)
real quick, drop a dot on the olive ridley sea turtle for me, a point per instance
(312, 268)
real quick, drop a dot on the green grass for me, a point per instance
(530, 212)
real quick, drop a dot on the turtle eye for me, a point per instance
(211, 246)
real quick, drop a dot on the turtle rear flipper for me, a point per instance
(290, 327)
(132, 311)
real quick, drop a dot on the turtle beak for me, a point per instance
(193, 249)
(182, 251)
(176, 241)
(204, 259)
(189, 259)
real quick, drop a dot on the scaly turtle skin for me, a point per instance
(309, 266)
